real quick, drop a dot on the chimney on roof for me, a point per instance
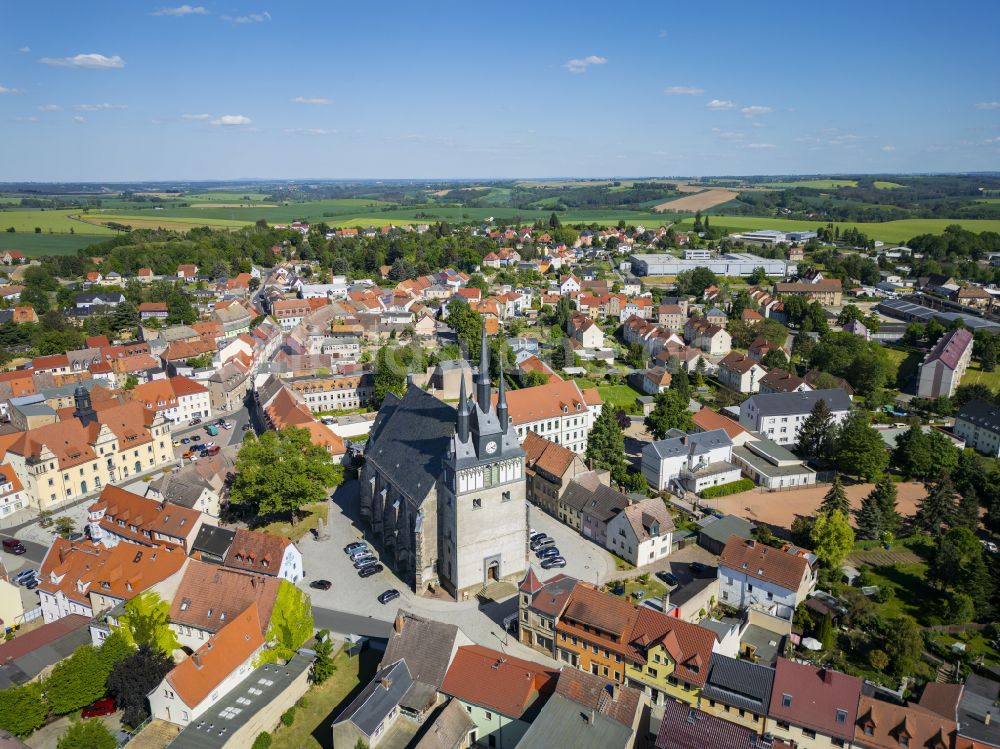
(751, 543)
(196, 657)
(987, 717)
(828, 675)
(398, 623)
(385, 682)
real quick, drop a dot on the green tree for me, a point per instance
(860, 450)
(670, 412)
(281, 471)
(902, 642)
(468, 325)
(825, 633)
(959, 565)
(832, 538)
(836, 498)
(76, 681)
(878, 514)
(681, 383)
(936, 512)
(323, 666)
(130, 382)
(23, 709)
(146, 621)
(87, 734)
(606, 444)
(291, 623)
(389, 374)
(133, 678)
(817, 432)
(912, 455)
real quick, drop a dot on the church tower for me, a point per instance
(484, 529)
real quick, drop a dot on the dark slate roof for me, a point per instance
(426, 646)
(381, 695)
(739, 683)
(602, 502)
(410, 442)
(562, 723)
(683, 727)
(979, 696)
(213, 540)
(29, 654)
(786, 404)
(981, 414)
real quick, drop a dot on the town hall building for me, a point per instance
(444, 491)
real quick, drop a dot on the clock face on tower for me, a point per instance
(491, 447)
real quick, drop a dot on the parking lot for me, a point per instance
(585, 560)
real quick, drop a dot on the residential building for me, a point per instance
(738, 691)
(705, 420)
(978, 423)
(265, 554)
(540, 604)
(655, 380)
(334, 392)
(684, 727)
(642, 533)
(86, 303)
(714, 531)
(754, 574)
(671, 316)
(549, 468)
(153, 311)
(741, 373)
(945, 364)
(12, 495)
(771, 466)
(827, 291)
(976, 707)
(558, 410)
(373, 715)
(780, 381)
(689, 461)
(198, 682)
(187, 271)
(228, 386)
(33, 653)
(710, 338)
(589, 504)
(449, 507)
(502, 694)
(975, 297)
(178, 399)
(119, 515)
(813, 708)
(886, 725)
(779, 416)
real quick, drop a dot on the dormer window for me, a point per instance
(209, 614)
(841, 716)
(786, 700)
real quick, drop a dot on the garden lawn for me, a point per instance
(311, 729)
(975, 375)
(311, 517)
(911, 594)
(619, 396)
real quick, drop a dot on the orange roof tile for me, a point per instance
(495, 681)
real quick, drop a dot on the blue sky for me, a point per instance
(134, 90)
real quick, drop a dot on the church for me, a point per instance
(444, 490)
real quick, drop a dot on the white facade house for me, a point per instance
(692, 461)
(752, 574)
(779, 416)
(642, 533)
(942, 370)
(771, 466)
(558, 411)
(741, 373)
(978, 423)
(178, 399)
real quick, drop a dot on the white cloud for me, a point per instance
(580, 66)
(683, 91)
(26, 119)
(78, 119)
(754, 110)
(50, 108)
(5, 90)
(721, 104)
(888, 149)
(181, 10)
(309, 131)
(91, 61)
(761, 146)
(98, 107)
(250, 18)
(229, 120)
(728, 135)
(204, 117)
(314, 100)
(988, 105)
(24, 50)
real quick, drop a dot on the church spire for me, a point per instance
(502, 400)
(463, 413)
(483, 383)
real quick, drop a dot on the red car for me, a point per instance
(104, 706)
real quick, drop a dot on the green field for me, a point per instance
(888, 231)
(36, 245)
(881, 185)
(57, 221)
(619, 396)
(974, 375)
(218, 196)
(816, 184)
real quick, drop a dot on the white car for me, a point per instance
(227, 425)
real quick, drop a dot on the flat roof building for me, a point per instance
(727, 264)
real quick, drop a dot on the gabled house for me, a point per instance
(885, 725)
(813, 707)
(752, 574)
(740, 372)
(119, 516)
(642, 532)
(779, 416)
(373, 714)
(738, 691)
(549, 467)
(692, 461)
(265, 554)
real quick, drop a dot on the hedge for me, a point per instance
(724, 490)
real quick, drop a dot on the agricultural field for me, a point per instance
(699, 201)
(816, 184)
(58, 221)
(888, 231)
(219, 196)
(883, 185)
(38, 245)
(154, 221)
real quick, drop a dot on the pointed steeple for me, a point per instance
(530, 583)
(463, 413)
(502, 400)
(483, 389)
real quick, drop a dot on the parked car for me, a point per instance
(196, 438)
(185, 440)
(321, 584)
(195, 421)
(551, 562)
(23, 575)
(366, 562)
(390, 595)
(354, 546)
(214, 450)
(226, 425)
(220, 421)
(208, 445)
(536, 536)
(668, 578)
(177, 443)
(247, 427)
(32, 583)
(542, 543)
(13, 546)
(548, 551)
(104, 706)
(697, 568)
(371, 570)
(187, 454)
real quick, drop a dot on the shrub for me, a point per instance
(724, 490)
(288, 717)
(263, 741)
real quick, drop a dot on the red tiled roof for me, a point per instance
(815, 696)
(498, 682)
